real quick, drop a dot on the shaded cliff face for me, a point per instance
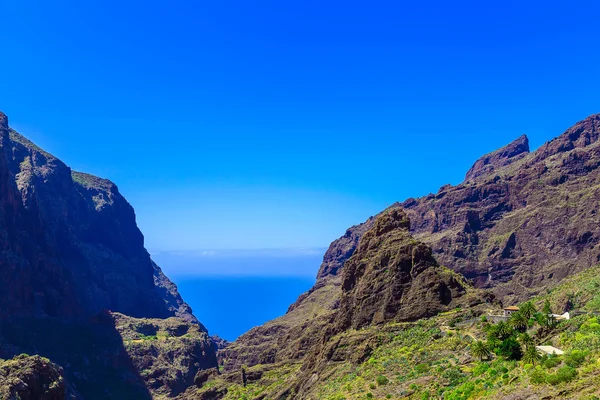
(69, 244)
(392, 277)
(79, 288)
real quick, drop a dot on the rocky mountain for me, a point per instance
(521, 221)
(72, 259)
(518, 225)
(527, 222)
(392, 277)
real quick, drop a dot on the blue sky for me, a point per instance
(278, 124)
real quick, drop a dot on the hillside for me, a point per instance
(435, 357)
(519, 224)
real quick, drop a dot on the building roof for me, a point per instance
(550, 350)
(512, 308)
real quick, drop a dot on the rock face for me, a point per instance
(499, 158)
(342, 249)
(70, 255)
(391, 277)
(169, 353)
(69, 244)
(520, 221)
(32, 378)
(524, 226)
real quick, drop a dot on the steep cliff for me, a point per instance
(70, 246)
(71, 252)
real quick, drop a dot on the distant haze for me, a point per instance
(241, 263)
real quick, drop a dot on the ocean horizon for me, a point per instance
(233, 291)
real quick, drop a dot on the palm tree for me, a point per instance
(480, 350)
(526, 340)
(547, 311)
(528, 309)
(531, 355)
(518, 321)
(503, 330)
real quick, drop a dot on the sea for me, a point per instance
(232, 291)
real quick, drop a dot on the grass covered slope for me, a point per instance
(441, 357)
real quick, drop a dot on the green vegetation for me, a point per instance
(471, 359)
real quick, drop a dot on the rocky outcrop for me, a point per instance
(392, 277)
(526, 226)
(487, 164)
(32, 378)
(341, 249)
(169, 353)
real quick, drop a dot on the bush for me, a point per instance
(538, 376)
(421, 368)
(453, 375)
(575, 358)
(480, 368)
(564, 374)
(382, 380)
(551, 362)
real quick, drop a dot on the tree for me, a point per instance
(480, 350)
(526, 340)
(503, 330)
(547, 312)
(510, 349)
(518, 321)
(531, 355)
(528, 309)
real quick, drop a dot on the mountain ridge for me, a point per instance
(520, 223)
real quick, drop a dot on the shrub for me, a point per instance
(575, 358)
(538, 376)
(551, 362)
(453, 375)
(421, 368)
(480, 369)
(382, 380)
(564, 374)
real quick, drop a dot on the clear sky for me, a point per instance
(278, 124)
